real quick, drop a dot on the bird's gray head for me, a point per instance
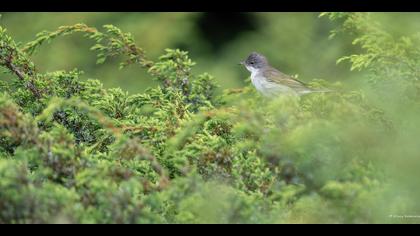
(255, 61)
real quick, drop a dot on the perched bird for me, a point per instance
(270, 81)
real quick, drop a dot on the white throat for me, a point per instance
(254, 71)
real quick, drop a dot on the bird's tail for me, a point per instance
(317, 91)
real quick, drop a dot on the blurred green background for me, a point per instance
(296, 43)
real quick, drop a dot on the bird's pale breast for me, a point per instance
(268, 88)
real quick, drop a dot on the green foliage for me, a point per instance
(384, 55)
(72, 151)
(111, 43)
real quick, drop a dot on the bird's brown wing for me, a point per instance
(275, 76)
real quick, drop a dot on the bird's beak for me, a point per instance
(241, 63)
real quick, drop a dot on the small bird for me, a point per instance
(271, 82)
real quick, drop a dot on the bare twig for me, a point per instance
(8, 63)
(30, 85)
